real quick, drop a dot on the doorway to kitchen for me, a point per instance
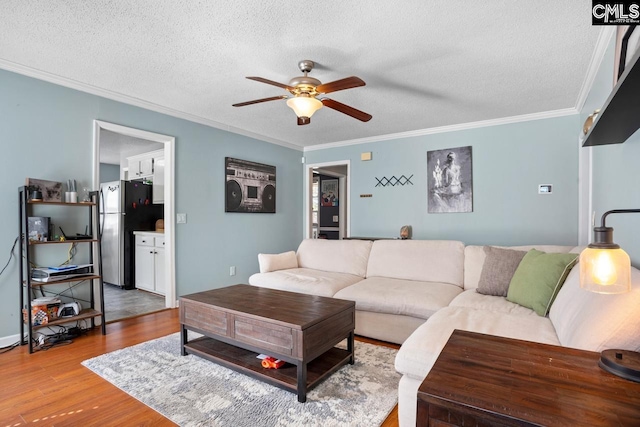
(327, 207)
(134, 170)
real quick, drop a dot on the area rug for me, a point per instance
(192, 391)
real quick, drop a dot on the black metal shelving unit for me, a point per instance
(28, 248)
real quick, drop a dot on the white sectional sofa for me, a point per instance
(415, 293)
(396, 284)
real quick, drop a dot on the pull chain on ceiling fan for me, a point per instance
(305, 90)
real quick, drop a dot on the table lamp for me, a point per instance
(605, 268)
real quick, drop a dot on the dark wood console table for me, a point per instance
(482, 380)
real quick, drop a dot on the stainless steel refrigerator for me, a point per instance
(126, 206)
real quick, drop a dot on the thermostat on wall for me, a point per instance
(545, 189)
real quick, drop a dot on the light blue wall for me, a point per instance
(616, 171)
(109, 172)
(509, 161)
(46, 132)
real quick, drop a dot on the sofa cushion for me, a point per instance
(341, 256)
(424, 260)
(275, 262)
(472, 299)
(305, 281)
(397, 296)
(539, 278)
(474, 257)
(591, 321)
(420, 351)
(386, 327)
(498, 269)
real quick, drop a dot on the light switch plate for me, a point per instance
(181, 218)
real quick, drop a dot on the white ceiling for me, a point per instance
(114, 146)
(427, 64)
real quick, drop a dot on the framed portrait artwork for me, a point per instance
(450, 180)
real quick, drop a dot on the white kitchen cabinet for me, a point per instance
(150, 261)
(140, 167)
(158, 270)
(143, 165)
(158, 180)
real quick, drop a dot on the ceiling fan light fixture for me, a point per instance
(303, 91)
(304, 106)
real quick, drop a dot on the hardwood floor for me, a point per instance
(52, 388)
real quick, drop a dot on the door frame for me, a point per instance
(586, 218)
(344, 186)
(169, 192)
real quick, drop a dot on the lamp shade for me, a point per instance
(605, 270)
(304, 106)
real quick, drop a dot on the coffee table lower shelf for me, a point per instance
(246, 362)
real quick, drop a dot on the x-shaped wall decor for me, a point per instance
(393, 181)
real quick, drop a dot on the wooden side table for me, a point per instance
(482, 380)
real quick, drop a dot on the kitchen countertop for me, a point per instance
(150, 233)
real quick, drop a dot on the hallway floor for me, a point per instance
(120, 303)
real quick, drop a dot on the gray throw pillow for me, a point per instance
(498, 269)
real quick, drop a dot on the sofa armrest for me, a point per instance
(275, 262)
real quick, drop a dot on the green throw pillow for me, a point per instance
(538, 279)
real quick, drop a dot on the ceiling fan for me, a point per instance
(305, 90)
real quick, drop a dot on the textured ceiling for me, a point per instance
(113, 146)
(426, 63)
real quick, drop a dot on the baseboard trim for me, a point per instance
(9, 340)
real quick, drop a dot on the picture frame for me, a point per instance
(450, 180)
(329, 192)
(250, 186)
(51, 190)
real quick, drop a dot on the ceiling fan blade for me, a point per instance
(270, 82)
(346, 83)
(304, 121)
(256, 101)
(349, 111)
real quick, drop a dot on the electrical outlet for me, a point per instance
(181, 218)
(232, 270)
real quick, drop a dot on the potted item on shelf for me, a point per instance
(35, 195)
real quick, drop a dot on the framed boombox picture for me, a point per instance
(251, 186)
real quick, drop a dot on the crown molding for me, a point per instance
(125, 99)
(604, 38)
(596, 60)
(450, 128)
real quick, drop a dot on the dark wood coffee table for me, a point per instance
(240, 321)
(482, 380)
